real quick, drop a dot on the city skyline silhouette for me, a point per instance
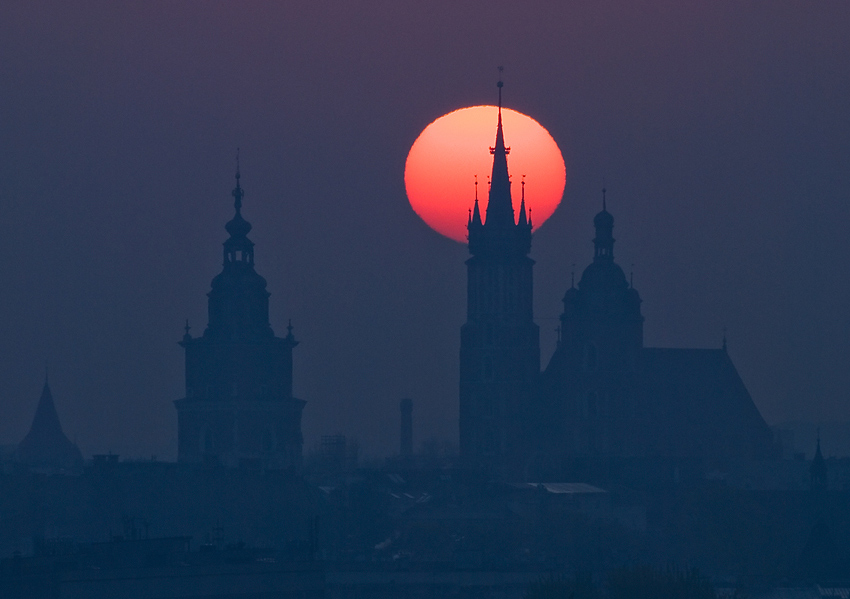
(724, 154)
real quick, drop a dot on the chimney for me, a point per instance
(406, 448)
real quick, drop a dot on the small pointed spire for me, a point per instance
(475, 217)
(530, 224)
(523, 221)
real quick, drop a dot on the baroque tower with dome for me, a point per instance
(239, 409)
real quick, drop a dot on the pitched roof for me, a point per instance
(46, 445)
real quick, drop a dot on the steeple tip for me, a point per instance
(237, 191)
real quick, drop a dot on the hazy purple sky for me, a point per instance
(722, 130)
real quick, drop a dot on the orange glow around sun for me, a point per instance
(442, 163)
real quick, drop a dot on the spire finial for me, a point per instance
(476, 188)
(500, 85)
(237, 191)
(187, 328)
(604, 206)
(289, 328)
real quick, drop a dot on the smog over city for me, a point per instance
(453, 299)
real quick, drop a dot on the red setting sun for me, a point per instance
(451, 151)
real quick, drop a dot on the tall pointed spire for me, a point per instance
(500, 212)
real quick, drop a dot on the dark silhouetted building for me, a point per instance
(46, 447)
(499, 343)
(603, 394)
(239, 409)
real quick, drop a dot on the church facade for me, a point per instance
(238, 409)
(604, 396)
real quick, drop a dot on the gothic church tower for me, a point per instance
(499, 348)
(239, 409)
